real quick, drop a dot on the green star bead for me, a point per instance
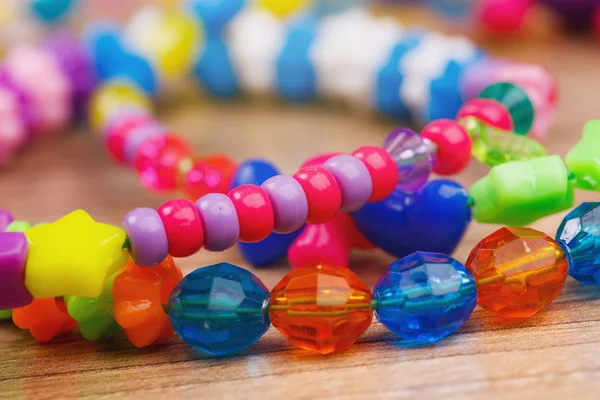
(521, 192)
(17, 226)
(584, 159)
(5, 314)
(95, 317)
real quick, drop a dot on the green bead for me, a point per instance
(516, 102)
(5, 314)
(584, 159)
(520, 192)
(17, 226)
(493, 146)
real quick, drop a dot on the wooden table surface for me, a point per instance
(554, 355)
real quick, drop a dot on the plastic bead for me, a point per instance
(206, 175)
(147, 236)
(413, 157)
(13, 256)
(425, 297)
(490, 112)
(51, 10)
(72, 256)
(578, 235)
(382, 170)
(583, 160)
(520, 192)
(137, 136)
(519, 271)
(454, 146)
(17, 226)
(254, 211)
(253, 172)
(139, 295)
(321, 308)
(215, 14)
(120, 127)
(353, 178)
(283, 8)
(5, 220)
(289, 202)
(219, 221)
(504, 16)
(220, 309)
(44, 318)
(516, 102)
(214, 69)
(322, 192)
(183, 226)
(95, 316)
(5, 315)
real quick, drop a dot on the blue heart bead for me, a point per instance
(432, 220)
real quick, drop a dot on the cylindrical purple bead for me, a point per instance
(5, 220)
(219, 220)
(354, 179)
(289, 202)
(147, 236)
(13, 257)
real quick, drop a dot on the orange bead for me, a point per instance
(45, 318)
(519, 271)
(139, 294)
(322, 308)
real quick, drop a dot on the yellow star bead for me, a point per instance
(73, 256)
(283, 8)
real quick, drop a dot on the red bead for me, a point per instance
(204, 175)
(322, 192)
(118, 131)
(255, 212)
(454, 146)
(382, 170)
(491, 112)
(183, 226)
(158, 160)
(596, 22)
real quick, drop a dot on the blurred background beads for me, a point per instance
(51, 11)
(220, 309)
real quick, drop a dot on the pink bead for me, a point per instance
(319, 159)
(255, 212)
(13, 132)
(322, 193)
(454, 146)
(491, 112)
(382, 170)
(118, 131)
(183, 225)
(596, 23)
(504, 16)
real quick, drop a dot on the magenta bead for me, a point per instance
(354, 180)
(5, 219)
(290, 205)
(147, 236)
(219, 220)
(13, 257)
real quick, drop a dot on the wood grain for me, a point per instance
(555, 355)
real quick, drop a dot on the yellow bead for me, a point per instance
(114, 96)
(72, 256)
(283, 8)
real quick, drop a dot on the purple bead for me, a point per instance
(414, 159)
(219, 220)
(353, 177)
(147, 236)
(5, 219)
(289, 202)
(137, 137)
(13, 257)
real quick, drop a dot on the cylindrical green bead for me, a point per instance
(584, 159)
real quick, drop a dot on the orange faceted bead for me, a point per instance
(45, 318)
(139, 294)
(519, 271)
(321, 308)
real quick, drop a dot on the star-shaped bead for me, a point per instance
(73, 256)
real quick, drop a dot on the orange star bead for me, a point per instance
(322, 308)
(45, 319)
(519, 271)
(139, 294)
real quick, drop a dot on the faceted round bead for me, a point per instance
(516, 102)
(487, 111)
(44, 318)
(220, 309)
(289, 202)
(219, 220)
(454, 146)
(322, 191)
(519, 271)
(321, 308)
(200, 176)
(13, 256)
(183, 226)
(147, 236)
(382, 169)
(254, 211)
(158, 160)
(354, 180)
(5, 220)
(579, 236)
(112, 97)
(425, 297)
(413, 157)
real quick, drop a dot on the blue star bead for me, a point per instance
(220, 309)
(579, 236)
(425, 297)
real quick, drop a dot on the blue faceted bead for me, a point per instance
(579, 236)
(425, 297)
(220, 309)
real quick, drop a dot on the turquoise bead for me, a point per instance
(579, 236)
(220, 309)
